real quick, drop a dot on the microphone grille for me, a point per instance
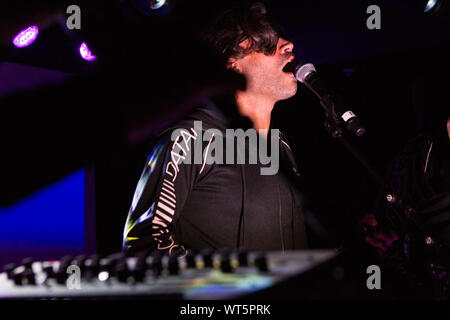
(303, 71)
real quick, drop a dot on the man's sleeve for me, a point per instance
(161, 192)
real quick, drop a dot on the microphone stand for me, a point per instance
(333, 123)
(404, 211)
(406, 214)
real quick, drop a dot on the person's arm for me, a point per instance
(162, 190)
(381, 228)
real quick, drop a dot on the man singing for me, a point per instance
(180, 205)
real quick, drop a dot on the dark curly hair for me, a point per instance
(236, 24)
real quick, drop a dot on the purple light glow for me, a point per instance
(26, 37)
(85, 53)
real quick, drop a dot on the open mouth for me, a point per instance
(290, 66)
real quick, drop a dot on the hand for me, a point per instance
(380, 240)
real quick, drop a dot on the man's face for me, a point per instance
(265, 75)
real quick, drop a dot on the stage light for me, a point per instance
(154, 8)
(430, 5)
(156, 4)
(436, 8)
(26, 37)
(85, 53)
(427, 8)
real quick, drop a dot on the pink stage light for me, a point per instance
(26, 37)
(85, 53)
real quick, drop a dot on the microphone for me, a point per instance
(332, 104)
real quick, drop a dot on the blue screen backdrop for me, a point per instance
(47, 224)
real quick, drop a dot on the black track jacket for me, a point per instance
(179, 206)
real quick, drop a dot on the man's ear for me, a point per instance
(232, 64)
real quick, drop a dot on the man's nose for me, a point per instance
(286, 47)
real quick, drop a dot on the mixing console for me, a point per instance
(206, 275)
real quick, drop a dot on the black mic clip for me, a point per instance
(335, 109)
(333, 128)
(332, 103)
(332, 120)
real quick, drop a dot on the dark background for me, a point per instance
(395, 79)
